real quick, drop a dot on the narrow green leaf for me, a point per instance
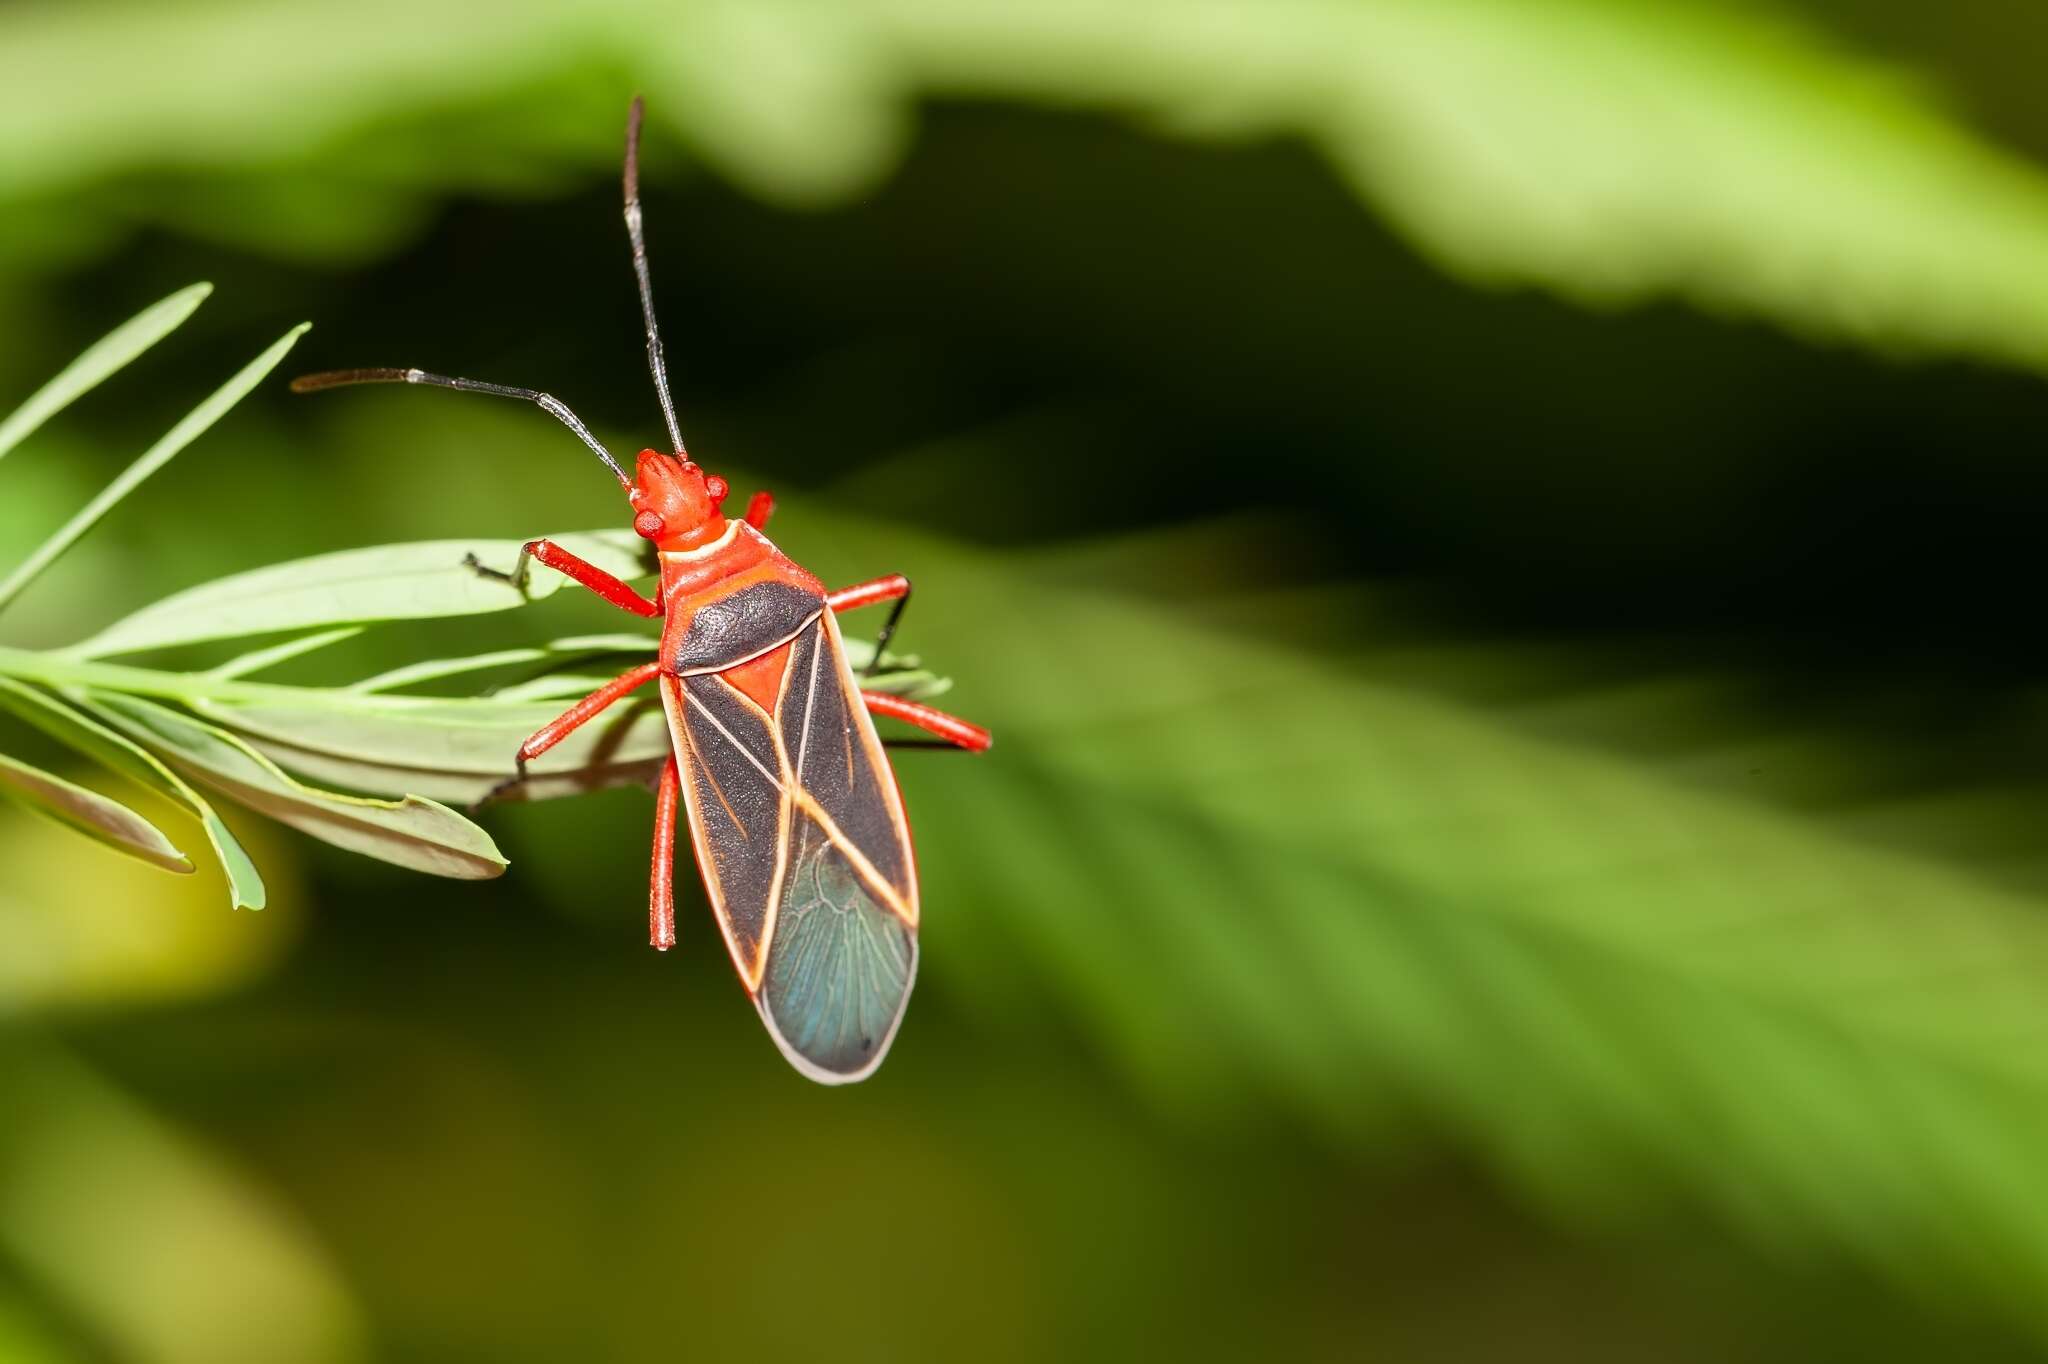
(916, 684)
(898, 674)
(103, 358)
(415, 581)
(421, 834)
(68, 724)
(79, 732)
(556, 652)
(606, 644)
(258, 660)
(437, 669)
(191, 427)
(552, 687)
(453, 749)
(90, 813)
(457, 788)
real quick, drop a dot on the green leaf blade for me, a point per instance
(451, 787)
(420, 834)
(100, 361)
(71, 725)
(189, 428)
(417, 580)
(86, 736)
(98, 817)
(260, 660)
(453, 749)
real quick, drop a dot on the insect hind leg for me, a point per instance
(950, 728)
(661, 880)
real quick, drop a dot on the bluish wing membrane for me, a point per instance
(841, 965)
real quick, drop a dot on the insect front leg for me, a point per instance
(661, 881)
(760, 507)
(951, 728)
(894, 588)
(562, 561)
(571, 720)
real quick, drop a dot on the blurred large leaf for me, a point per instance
(1611, 149)
(1261, 872)
(85, 936)
(164, 1249)
(22, 1339)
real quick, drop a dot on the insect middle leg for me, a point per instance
(573, 719)
(562, 561)
(894, 588)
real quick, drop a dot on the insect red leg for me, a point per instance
(951, 728)
(894, 588)
(573, 719)
(760, 507)
(661, 882)
(580, 714)
(562, 561)
(891, 588)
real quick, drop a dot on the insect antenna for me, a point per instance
(634, 231)
(554, 407)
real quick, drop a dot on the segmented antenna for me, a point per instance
(634, 231)
(554, 407)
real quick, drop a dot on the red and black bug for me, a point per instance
(794, 813)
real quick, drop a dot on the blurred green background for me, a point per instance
(1499, 540)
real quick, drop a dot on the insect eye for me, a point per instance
(716, 488)
(647, 525)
